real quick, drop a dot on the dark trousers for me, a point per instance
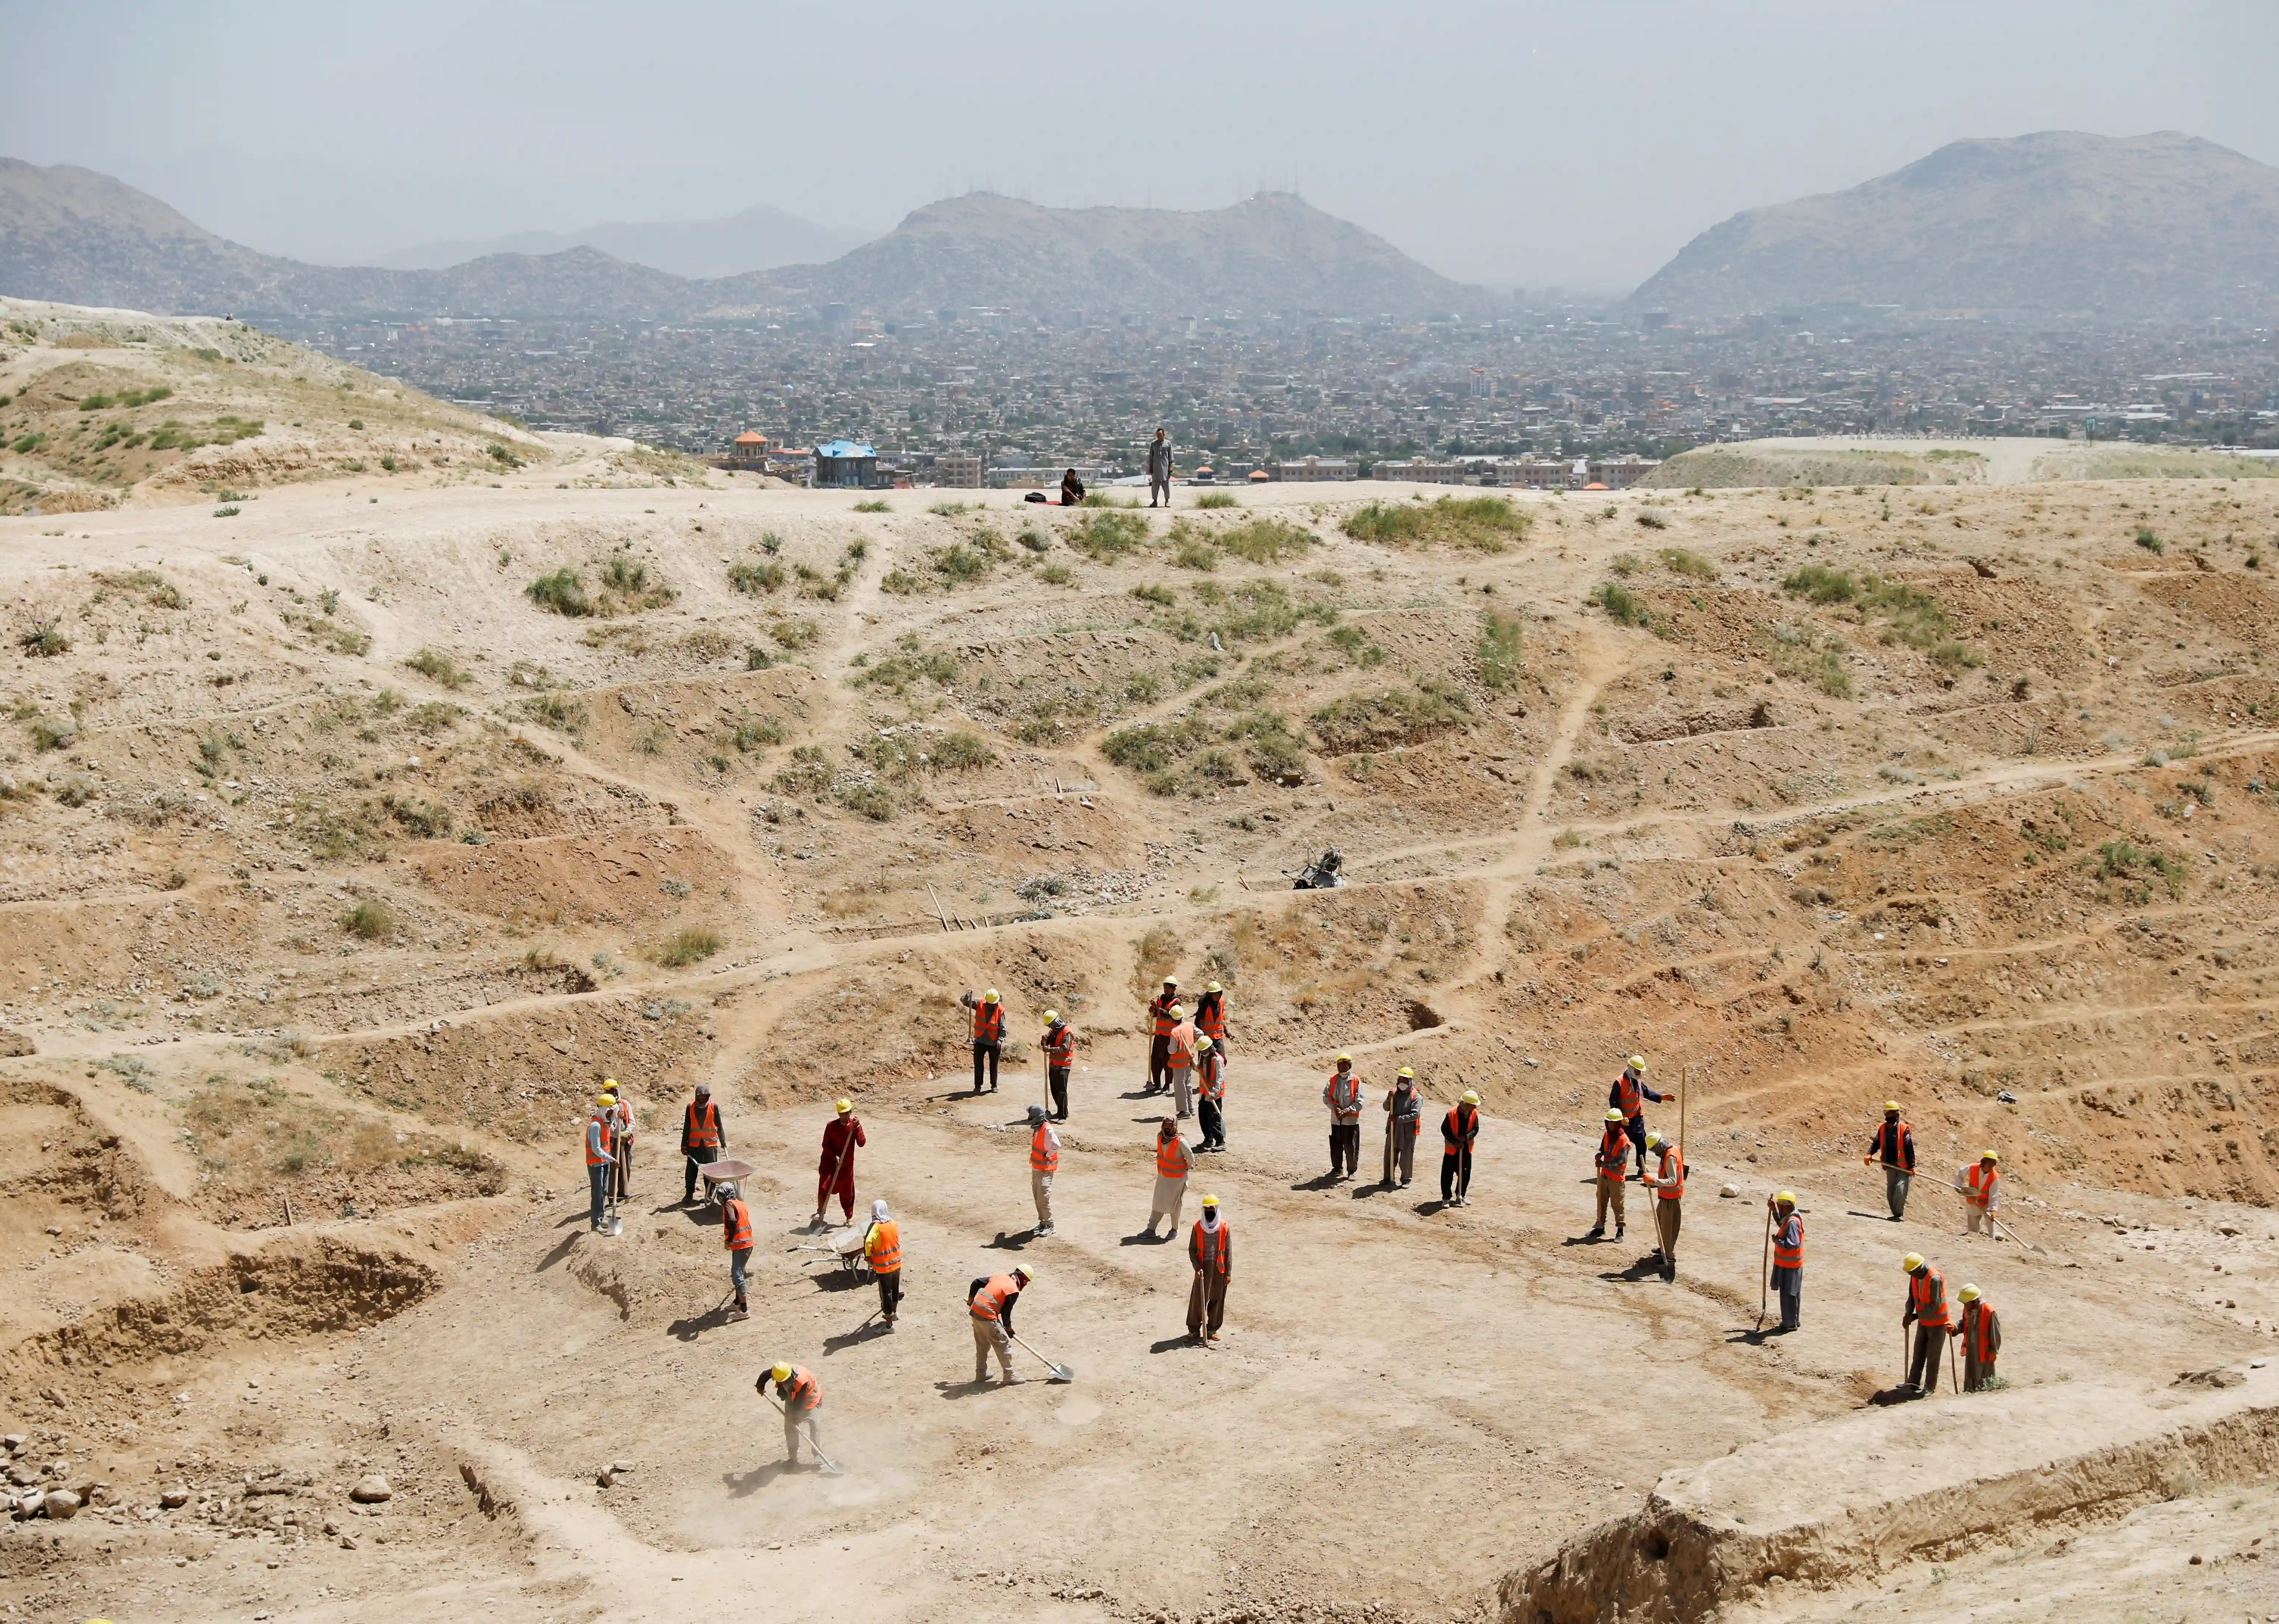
(990, 1051)
(597, 1179)
(739, 1261)
(697, 1158)
(1159, 1061)
(1788, 1285)
(1635, 1127)
(1455, 1174)
(1056, 1079)
(1344, 1148)
(1922, 1371)
(1214, 1122)
(890, 1292)
(1896, 1180)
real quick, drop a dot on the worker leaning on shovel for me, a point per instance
(990, 1301)
(801, 1397)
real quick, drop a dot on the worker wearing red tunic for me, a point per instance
(834, 1173)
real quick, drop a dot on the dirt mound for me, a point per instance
(1857, 1497)
(627, 876)
(2236, 605)
(293, 1287)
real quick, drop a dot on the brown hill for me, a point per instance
(2162, 225)
(75, 236)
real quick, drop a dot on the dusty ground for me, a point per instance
(336, 870)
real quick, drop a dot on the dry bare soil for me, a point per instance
(351, 837)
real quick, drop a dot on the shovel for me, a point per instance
(1060, 1373)
(831, 1468)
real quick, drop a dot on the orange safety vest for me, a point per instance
(1212, 1252)
(1044, 1155)
(1344, 1094)
(988, 1023)
(1926, 1295)
(1676, 1186)
(1891, 1142)
(1785, 1256)
(989, 1301)
(1614, 1153)
(1210, 1016)
(1060, 1046)
(1161, 1009)
(806, 1392)
(704, 1130)
(1182, 1052)
(1213, 1076)
(884, 1244)
(736, 1225)
(1172, 1159)
(1628, 1097)
(1979, 1323)
(599, 1151)
(1465, 1131)
(1980, 1194)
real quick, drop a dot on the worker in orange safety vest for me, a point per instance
(736, 1236)
(1044, 1162)
(1210, 1093)
(1611, 1162)
(1667, 1182)
(1211, 1015)
(1980, 1194)
(988, 1035)
(801, 1396)
(1788, 1259)
(1343, 1095)
(1179, 1063)
(1162, 1017)
(1059, 1044)
(1211, 1251)
(702, 1139)
(1173, 1162)
(1460, 1131)
(600, 1156)
(1927, 1311)
(1980, 1332)
(882, 1246)
(990, 1303)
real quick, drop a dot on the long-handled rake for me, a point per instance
(1060, 1373)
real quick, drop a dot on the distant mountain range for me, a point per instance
(758, 239)
(74, 236)
(2162, 225)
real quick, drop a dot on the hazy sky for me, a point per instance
(1511, 143)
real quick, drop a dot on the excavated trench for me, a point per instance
(301, 1286)
(1731, 1531)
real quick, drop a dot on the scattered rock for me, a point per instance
(372, 1490)
(13, 1442)
(13, 1044)
(61, 1505)
(347, 1543)
(175, 1498)
(1728, 1191)
(2218, 1378)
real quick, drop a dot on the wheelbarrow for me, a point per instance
(716, 1174)
(842, 1251)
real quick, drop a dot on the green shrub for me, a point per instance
(1217, 499)
(1055, 575)
(1153, 746)
(2149, 541)
(901, 583)
(1265, 541)
(962, 749)
(1105, 536)
(422, 820)
(1388, 716)
(563, 592)
(44, 641)
(875, 504)
(691, 946)
(1151, 592)
(1488, 524)
(1654, 518)
(755, 579)
(557, 711)
(756, 732)
(503, 457)
(1822, 585)
(1680, 562)
(1497, 655)
(1191, 552)
(438, 668)
(870, 801)
(1622, 606)
(1036, 541)
(369, 920)
(796, 635)
(898, 673)
(947, 510)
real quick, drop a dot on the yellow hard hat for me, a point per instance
(1210, 1200)
(1891, 1104)
(1180, 1012)
(606, 1099)
(1970, 1294)
(1988, 1156)
(989, 997)
(1051, 1015)
(1213, 987)
(1201, 1043)
(1786, 1197)
(1024, 1271)
(1614, 1115)
(1913, 1261)
(843, 1106)
(1471, 1097)
(1345, 1060)
(1654, 1141)
(1637, 1062)
(782, 1372)
(1170, 981)
(1407, 1072)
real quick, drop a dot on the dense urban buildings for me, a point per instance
(984, 395)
